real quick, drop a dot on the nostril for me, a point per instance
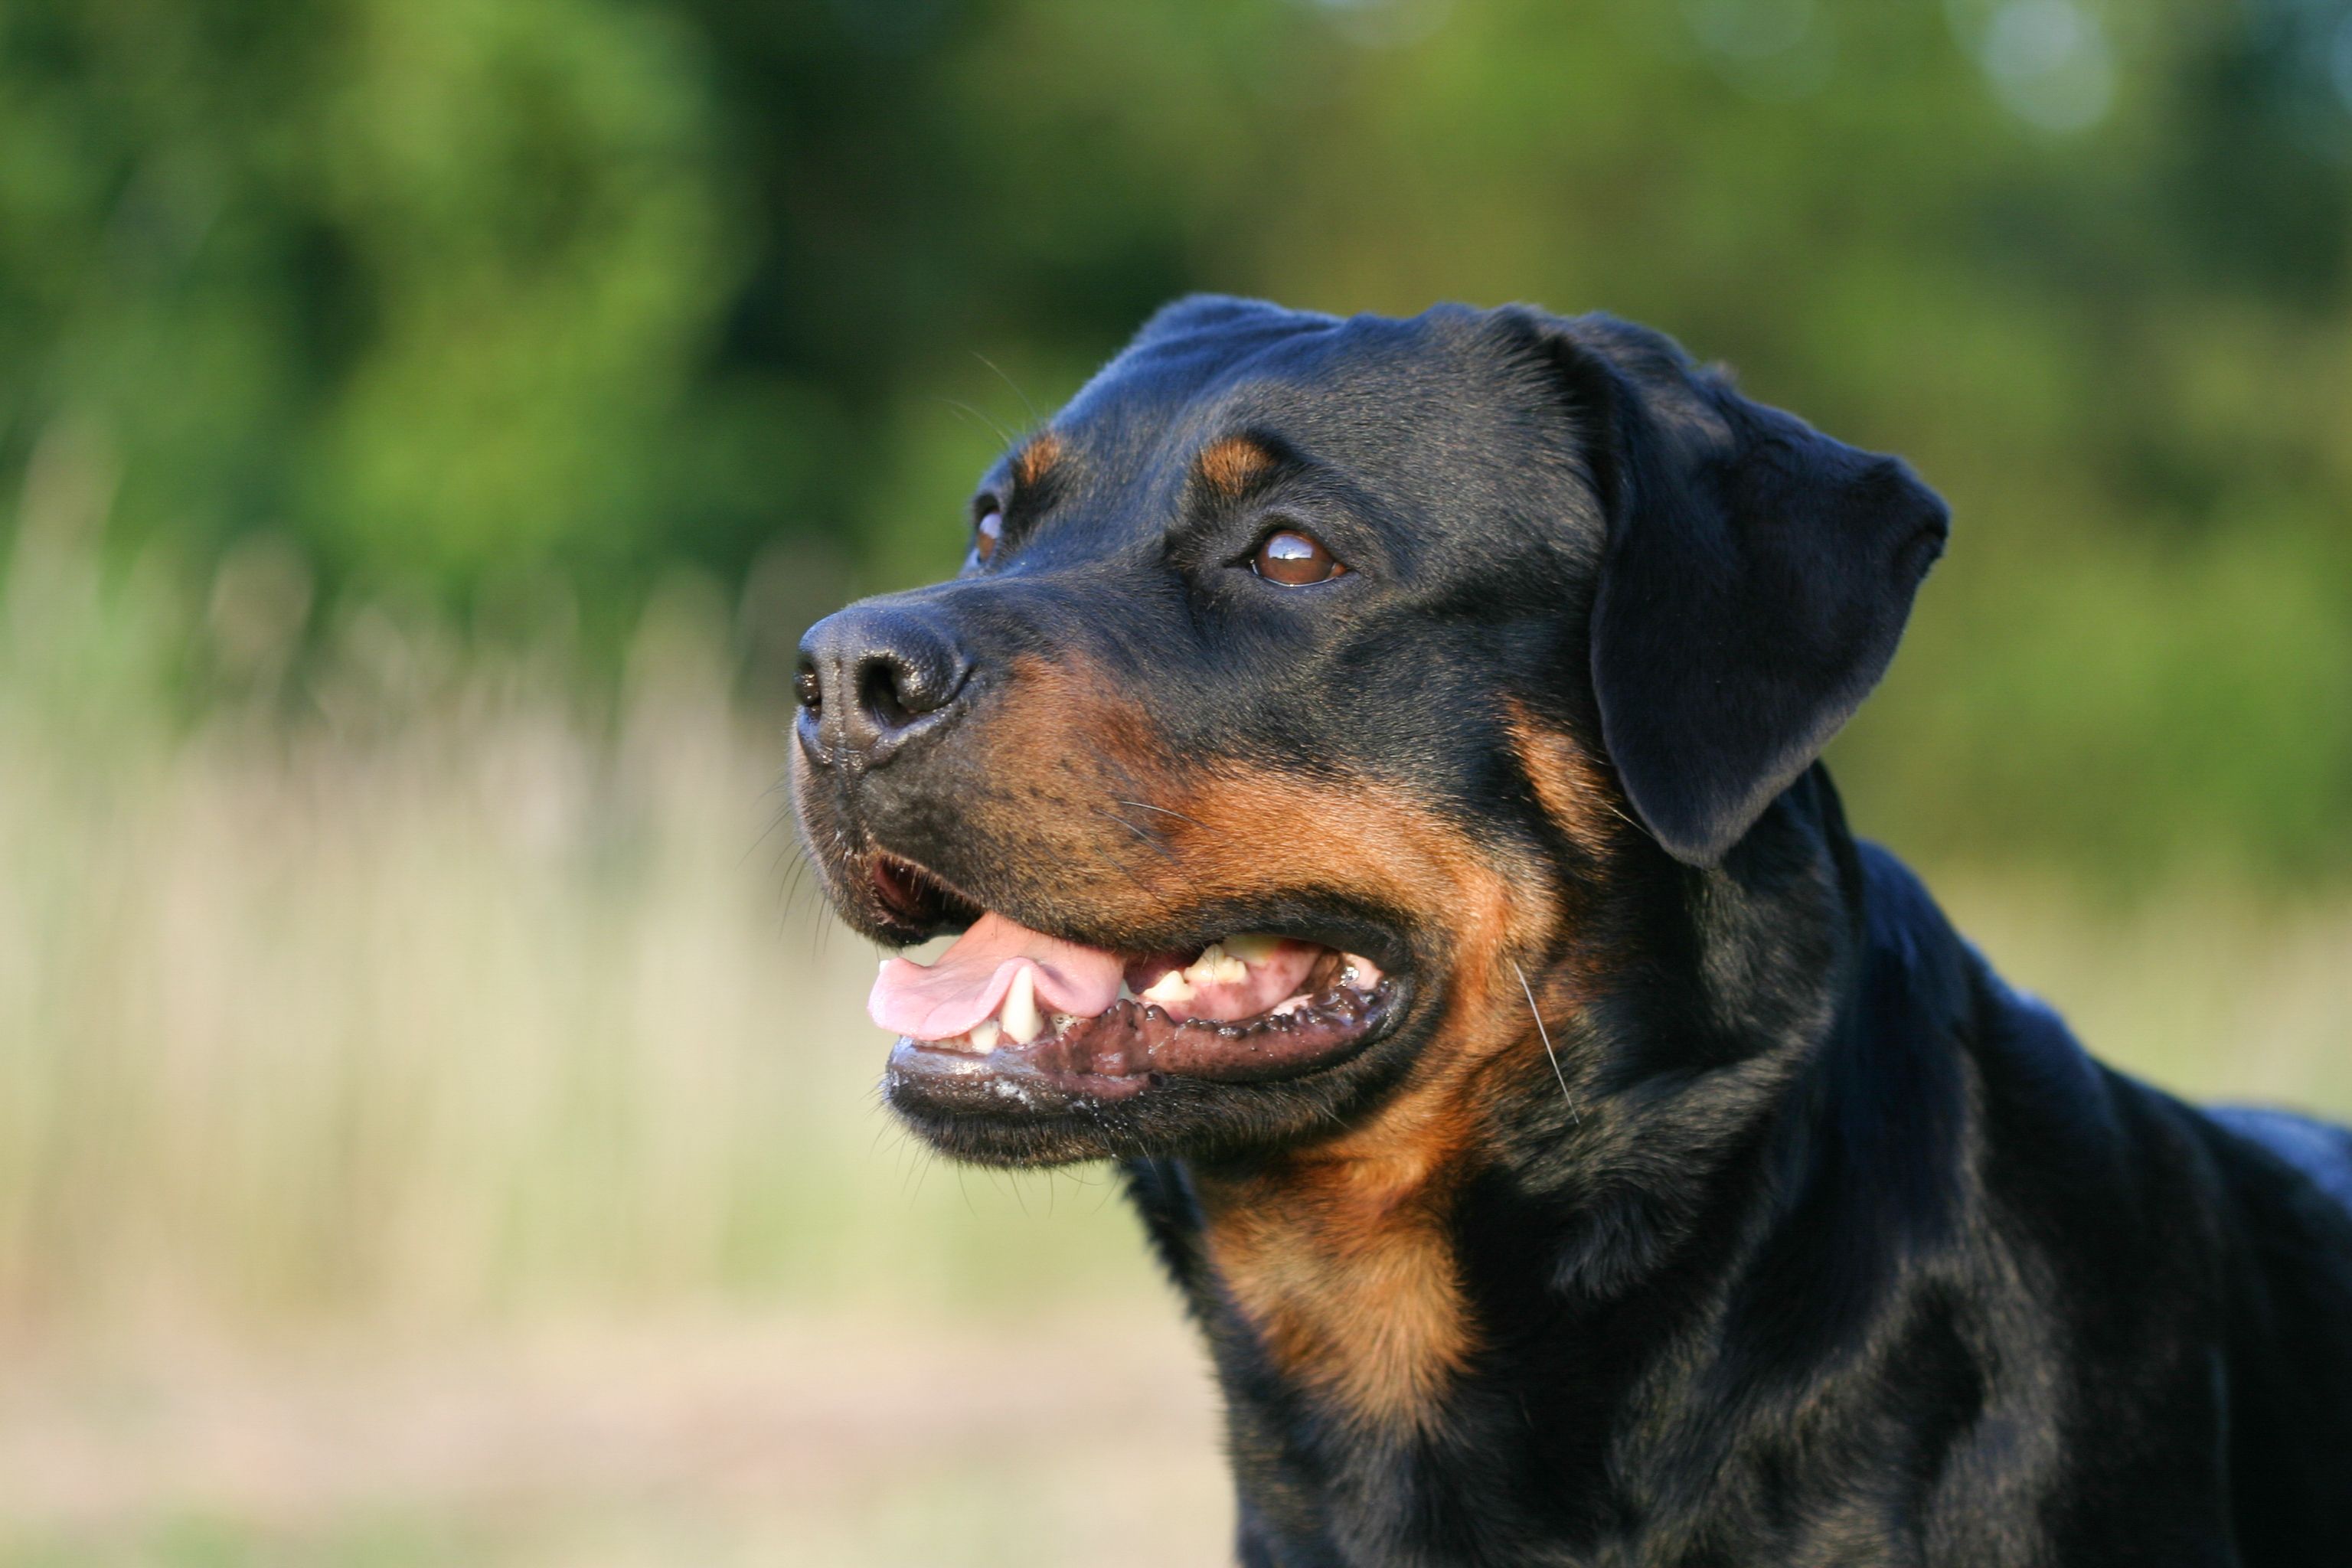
(895, 691)
(881, 693)
(871, 677)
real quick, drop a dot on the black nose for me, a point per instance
(873, 678)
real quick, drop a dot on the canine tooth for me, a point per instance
(983, 1035)
(1168, 987)
(1022, 1023)
(1251, 947)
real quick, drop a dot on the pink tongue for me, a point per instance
(947, 998)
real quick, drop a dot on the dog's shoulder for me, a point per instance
(2319, 1151)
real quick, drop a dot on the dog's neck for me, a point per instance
(1525, 1239)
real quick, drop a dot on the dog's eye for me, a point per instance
(1294, 559)
(988, 529)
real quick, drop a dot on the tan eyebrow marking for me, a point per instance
(1033, 461)
(1229, 464)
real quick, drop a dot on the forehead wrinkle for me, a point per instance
(1424, 432)
(1156, 396)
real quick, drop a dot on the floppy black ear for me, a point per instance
(1756, 579)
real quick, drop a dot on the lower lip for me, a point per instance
(1143, 1044)
(1003, 1084)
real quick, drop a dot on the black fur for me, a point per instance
(1755, 581)
(1835, 1249)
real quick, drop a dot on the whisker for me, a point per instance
(778, 820)
(795, 882)
(1545, 1035)
(1034, 417)
(1626, 820)
(1146, 888)
(1154, 844)
(961, 407)
(1164, 811)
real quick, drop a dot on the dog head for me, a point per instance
(1313, 690)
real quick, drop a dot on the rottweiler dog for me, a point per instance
(1373, 767)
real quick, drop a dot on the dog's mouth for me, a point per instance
(1008, 1011)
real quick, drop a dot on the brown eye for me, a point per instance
(987, 531)
(1294, 560)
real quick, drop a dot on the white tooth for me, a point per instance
(1251, 947)
(1357, 972)
(1019, 1013)
(1168, 987)
(1284, 1009)
(1214, 968)
(983, 1035)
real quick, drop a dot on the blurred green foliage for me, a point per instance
(495, 307)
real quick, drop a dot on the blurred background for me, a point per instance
(435, 1122)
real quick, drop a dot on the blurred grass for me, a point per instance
(440, 1128)
(356, 1058)
(453, 998)
(705, 1438)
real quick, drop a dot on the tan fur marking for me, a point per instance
(1230, 465)
(1336, 1254)
(1033, 461)
(1574, 789)
(1344, 1268)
